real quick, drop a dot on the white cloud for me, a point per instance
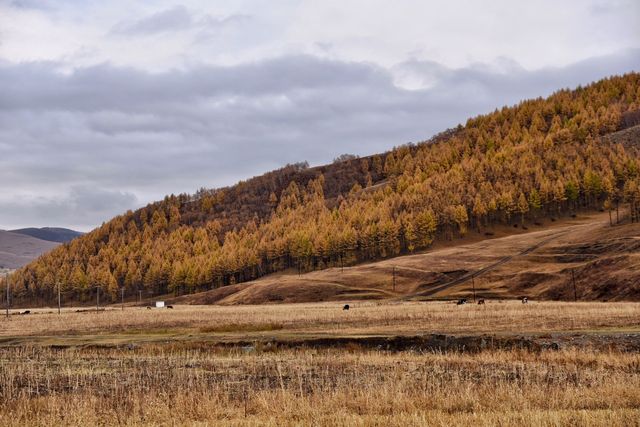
(454, 33)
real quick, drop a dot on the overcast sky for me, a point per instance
(108, 105)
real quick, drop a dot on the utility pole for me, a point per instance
(6, 282)
(140, 296)
(394, 278)
(122, 297)
(575, 291)
(245, 399)
(58, 297)
(473, 284)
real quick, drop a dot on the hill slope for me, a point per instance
(537, 263)
(50, 234)
(17, 250)
(540, 159)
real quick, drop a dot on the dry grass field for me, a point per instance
(283, 321)
(197, 386)
(392, 359)
(316, 364)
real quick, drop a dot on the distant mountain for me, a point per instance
(50, 234)
(17, 250)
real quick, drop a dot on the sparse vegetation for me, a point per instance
(326, 319)
(209, 378)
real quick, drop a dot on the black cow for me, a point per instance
(346, 307)
(461, 301)
(480, 302)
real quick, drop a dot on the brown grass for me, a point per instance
(328, 319)
(235, 327)
(156, 385)
(167, 367)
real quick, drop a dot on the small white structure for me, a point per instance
(159, 304)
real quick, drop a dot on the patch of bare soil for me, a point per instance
(524, 281)
(621, 342)
(208, 297)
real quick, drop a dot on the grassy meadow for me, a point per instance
(168, 367)
(324, 319)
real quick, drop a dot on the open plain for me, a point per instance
(378, 363)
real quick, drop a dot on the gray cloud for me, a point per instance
(107, 138)
(177, 18)
(79, 208)
(174, 19)
(30, 4)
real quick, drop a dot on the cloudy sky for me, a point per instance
(108, 105)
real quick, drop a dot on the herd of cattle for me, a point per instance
(461, 301)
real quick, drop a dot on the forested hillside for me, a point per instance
(543, 157)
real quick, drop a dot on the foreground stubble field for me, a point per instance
(141, 367)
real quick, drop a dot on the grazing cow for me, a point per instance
(346, 307)
(461, 301)
(480, 302)
(148, 308)
(26, 312)
(170, 306)
(525, 300)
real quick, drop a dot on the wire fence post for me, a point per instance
(246, 398)
(473, 284)
(6, 282)
(394, 278)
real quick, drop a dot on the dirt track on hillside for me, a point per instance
(536, 262)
